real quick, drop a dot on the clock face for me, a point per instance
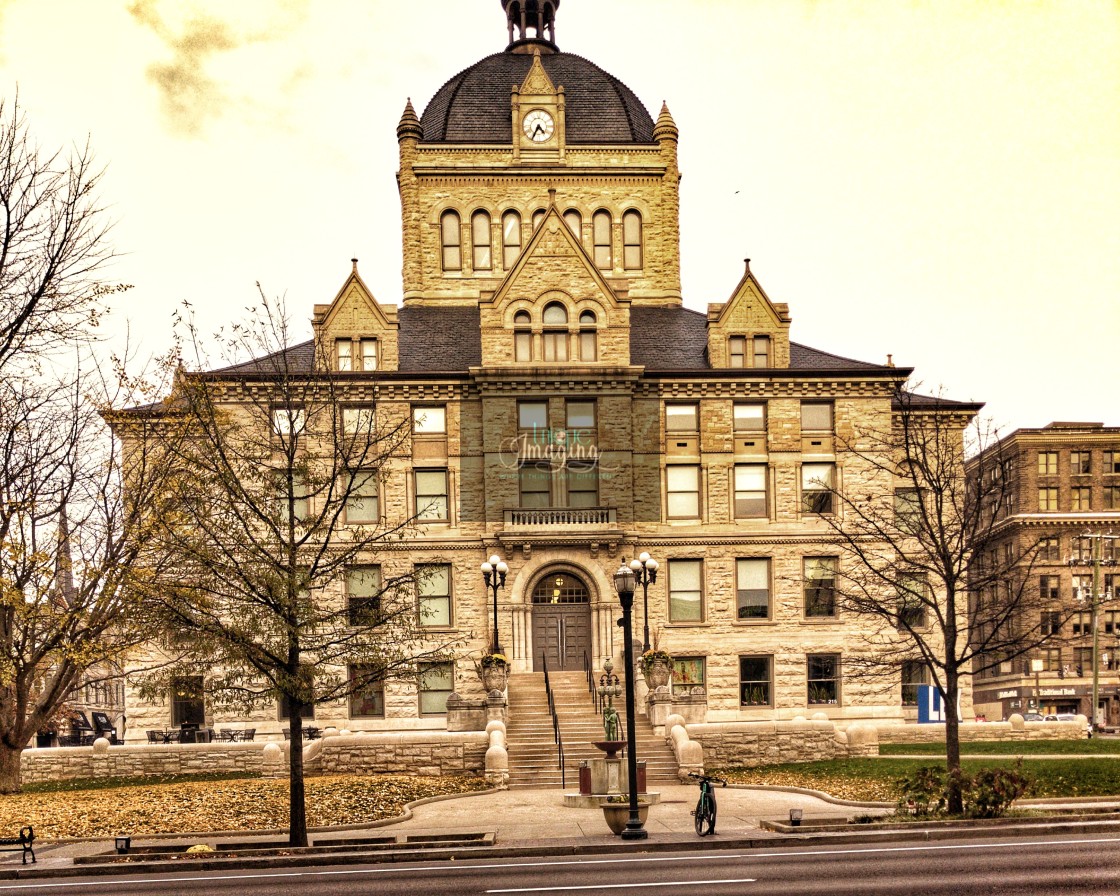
(537, 125)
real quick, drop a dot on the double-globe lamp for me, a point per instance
(494, 575)
(624, 582)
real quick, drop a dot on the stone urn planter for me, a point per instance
(494, 671)
(657, 668)
(617, 814)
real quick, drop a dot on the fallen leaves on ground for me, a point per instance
(232, 805)
(845, 788)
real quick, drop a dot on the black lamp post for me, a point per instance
(494, 575)
(624, 581)
(645, 574)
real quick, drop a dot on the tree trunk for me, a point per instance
(953, 744)
(297, 807)
(10, 780)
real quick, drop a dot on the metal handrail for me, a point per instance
(555, 720)
(590, 678)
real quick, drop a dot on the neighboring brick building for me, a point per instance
(1065, 500)
(569, 411)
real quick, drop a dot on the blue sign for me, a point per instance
(931, 708)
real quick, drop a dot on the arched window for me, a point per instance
(601, 233)
(574, 220)
(522, 337)
(555, 335)
(511, 238)
(451, 241)
(632, 240)
(480, 241)
(588, 348)
(538, 216)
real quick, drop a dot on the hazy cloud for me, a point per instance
(189, 90)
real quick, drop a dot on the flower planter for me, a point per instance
(617, 814)
(657, 674)
(494, 677)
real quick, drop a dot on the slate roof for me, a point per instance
(300, 358)
(439, 339)
(473, 107)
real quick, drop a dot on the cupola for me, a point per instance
(528, 22)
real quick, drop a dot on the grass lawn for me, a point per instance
(1098, 746)
(874, 779)
(228, 804)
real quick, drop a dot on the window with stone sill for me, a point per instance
(752, 588)
(1111, 462)
(1112, 497)
(823, 678)
(682, 491)
(480, 241)
(750, 500)
(511, 239)
(1048, 548)
(1047, 499)
(588, 337)
(761, 356)
(749, 418)
(187, 704)
(1080, 498)
(686, 591)
(307, 711)
(1047, 463)
(1050, 622)
(816, 416)
(1049, 587)
(451, 241)
(913, 675)
(362, 505)
(682, 418)
(1079, 462)
(632, 240)
(819, 575)
(737, 351)
(534, 484)
(363, 595)
(817, 484)
(367, 692)
(433, 590)
(688, 673)
(913, 597)
(522, 337)
(574, 220)
(755, 681)
(437, 682)
(431, 495)
(601, 239)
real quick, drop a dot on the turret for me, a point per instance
(528, 20)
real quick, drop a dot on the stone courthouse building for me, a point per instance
(570, 411)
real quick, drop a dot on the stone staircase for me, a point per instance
(532, 748)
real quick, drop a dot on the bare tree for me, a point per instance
(925, 558)
(68, 544)
(275, 503)
(53, 243)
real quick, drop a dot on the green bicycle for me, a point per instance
(705, 812)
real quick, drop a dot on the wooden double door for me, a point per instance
(561, 622)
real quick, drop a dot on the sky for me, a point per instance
(938, 180)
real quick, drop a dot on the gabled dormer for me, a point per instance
(748, 330)
(537, 110)
(354, 332)
(555, 307)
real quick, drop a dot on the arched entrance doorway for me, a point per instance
(561, 621)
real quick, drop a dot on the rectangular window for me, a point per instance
(750, 491)
(1112, 497)
(632, 241)
(369, 354)
(817, 483)
(688, 673)
(823, 678)
(1082, 624)
(1051, 622)
(1111, 462)
(344, 349)
(433, 588)
(580, 419)
(601, 238)
(754, 681)
(555, 344)
(1047, 499)
(1079, 462)
(289, 421)
(363, 595)
(429, 420)
(913, 674)
(737, 351)
(583, 484)
(1048, 548)
(534, 480)
(1048, 463)
(480, 241)
(588, 345)
(431, 495)
(816, 416)
(437, 681)
(750, 417)
(297, 500)
(1048, 587)
(913, 594)
(522, 345)
(682, 418)
(361, 504)
(367, 693)
(1080, 497)
(819, 575)
(357, 421)
(532, 416)
(752, 588)
(682, 492)
(1082, 586)
(686, 595)
(1083, 548)
(187, 704)
(761, 351)
(908, 509)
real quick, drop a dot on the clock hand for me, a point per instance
(538, 129)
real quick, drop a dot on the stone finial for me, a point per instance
(354, 262)
(665, 128)
(409, 125)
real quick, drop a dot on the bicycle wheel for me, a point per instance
(712, 814)
(701, 814)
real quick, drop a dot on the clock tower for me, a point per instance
(537, 107)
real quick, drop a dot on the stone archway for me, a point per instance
(561, 612)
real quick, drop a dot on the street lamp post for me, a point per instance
(624, 581)
(645, 574)
(494, 575)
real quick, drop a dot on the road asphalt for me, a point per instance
(521, 822)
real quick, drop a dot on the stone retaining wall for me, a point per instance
(983, 731)
(749, 744)
(412, 752)
(65, 763)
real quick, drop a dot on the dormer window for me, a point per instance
(369, 354)
(601, 235)
(511, 238)
(522, 337)
(480, 241)
(345, 358)
(451, 241)
(761, 351)
(737, 351)
(555, 335)
(588, 338)
(344, 354)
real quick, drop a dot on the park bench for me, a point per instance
(22, 843)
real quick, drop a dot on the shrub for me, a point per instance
(994, 789)
(922, 792)
(987, 794)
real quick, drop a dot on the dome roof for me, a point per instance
(473, 107)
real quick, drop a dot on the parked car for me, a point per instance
(1061, 717)
(1032, 717)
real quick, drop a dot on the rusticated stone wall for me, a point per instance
(67, 763)
(767, 743)
(972, 732)
(412, 753)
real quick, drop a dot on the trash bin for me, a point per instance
(641, 775)
(584, 778)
